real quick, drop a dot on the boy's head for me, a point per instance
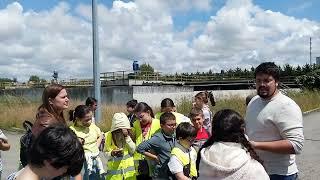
(197, 117)
(248, 98)
(57, 150)
(168, 123)
(186, 132)
(131, 105)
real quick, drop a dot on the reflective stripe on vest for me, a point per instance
(121, 171)
(119, 167)
(125, 157)
(185, 159)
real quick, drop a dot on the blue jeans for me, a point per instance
(92, 175)
(283, 177)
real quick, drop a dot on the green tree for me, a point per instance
(288, 70)
(34, 78)
(146, 68)
(5, 80)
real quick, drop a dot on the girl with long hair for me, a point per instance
(227, 154)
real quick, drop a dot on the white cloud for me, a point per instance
(239, 34)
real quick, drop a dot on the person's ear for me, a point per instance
(50, 101)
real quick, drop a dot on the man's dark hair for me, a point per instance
(60, 146)
(185, 130)
(90, 101)
(132, 103)
(166, 116)
(269, 68)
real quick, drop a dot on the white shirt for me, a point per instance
(271, 120)
(175, 165)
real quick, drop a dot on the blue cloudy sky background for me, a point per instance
(37, 37)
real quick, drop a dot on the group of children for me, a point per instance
(139, 145)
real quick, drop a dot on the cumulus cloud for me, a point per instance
(239, 34)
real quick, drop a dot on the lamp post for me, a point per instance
(96, 70)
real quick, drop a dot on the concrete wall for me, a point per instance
(109, 95)
(153, 95)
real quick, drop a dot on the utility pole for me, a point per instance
(96, 70)
(310, 52)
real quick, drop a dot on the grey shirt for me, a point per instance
(271, 120)
(161, 145)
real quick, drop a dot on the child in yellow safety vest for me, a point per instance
(143, 128)
(90, 136)
(119, 149)
(182, 164)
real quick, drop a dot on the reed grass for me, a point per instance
(14, 110)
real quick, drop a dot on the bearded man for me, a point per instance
(274, 125)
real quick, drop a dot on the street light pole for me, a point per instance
(96, 70)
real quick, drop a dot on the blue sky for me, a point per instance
(171, 35)
(297, 8)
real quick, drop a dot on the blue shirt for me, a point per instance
(161, 145)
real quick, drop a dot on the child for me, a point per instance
(201, 101)
(144, 127)
(90, 135)
(248, 98)
(182, 162)
(55, 152)
(119, 147)
(159, 147)
(167, 105)
(197, 118)
(92, 103)
(228, 154)
(4, 146)
(130, 109)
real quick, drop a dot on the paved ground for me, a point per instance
(308, 161)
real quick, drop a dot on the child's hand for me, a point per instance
(117, 152)
(125, 132)
(81, 140)
(157, 159)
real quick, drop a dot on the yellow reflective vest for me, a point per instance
(186, 159)
(119, 168)
(154, 128)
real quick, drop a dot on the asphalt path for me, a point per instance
(308, 161)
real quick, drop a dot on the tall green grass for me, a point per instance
(14, 110)
(307, 100)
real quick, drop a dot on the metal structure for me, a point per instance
(96, 70)
(310, 51)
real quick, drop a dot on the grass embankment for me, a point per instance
(14, 110)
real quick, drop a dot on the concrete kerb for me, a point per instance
(311, 111)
